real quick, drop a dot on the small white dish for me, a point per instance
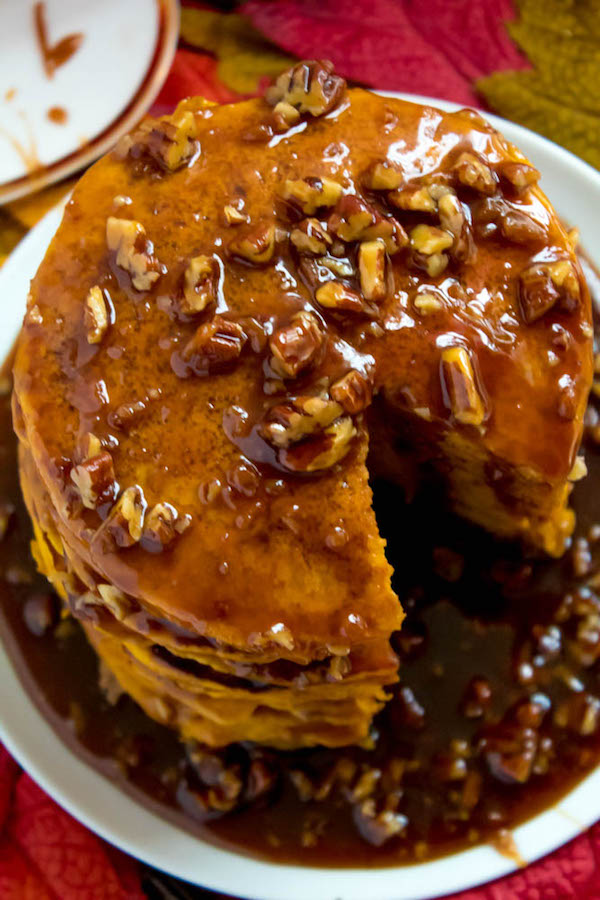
(55, 119)
(574, 187)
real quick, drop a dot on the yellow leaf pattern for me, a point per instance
(245, 57)
(560, 96)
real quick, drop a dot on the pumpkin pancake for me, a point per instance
(246, 310)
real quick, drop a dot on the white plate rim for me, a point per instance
(121, 820)
(158, 68)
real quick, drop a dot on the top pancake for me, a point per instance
(270, 555)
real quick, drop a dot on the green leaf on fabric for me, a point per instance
(245, 57)
(560, 97)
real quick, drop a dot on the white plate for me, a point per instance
(123, 56)
(575, 189)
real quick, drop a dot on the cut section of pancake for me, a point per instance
(239, 303)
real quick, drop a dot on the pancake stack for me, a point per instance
(246, 312)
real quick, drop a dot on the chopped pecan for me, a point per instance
(427, 243)
(233, 215)
(335, 295)
(578, 469)
(91, 445)
(310, 238)
(382, 176)
(310, 87)
(458, 379)
(95, 315)
(520, 175)
(377, 827)
(324, 451)
(134, 252)
(256, 244)
(162, 524)
(215, 345)
(543, 285)
(199, 284)
(289, 423)
(371, 266)
(170, 141)
(413, 197)
(474, 173)
(429, 240)
(114, 600)
(353, 391)
(296, 345)
(509, 752)
(351, 217)
(427, 303)
(125, 521)
(521, 228)
(453, 220)
(94, 479)
(580, 713)
(311, 194)
(285, 115)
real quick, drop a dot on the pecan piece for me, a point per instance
(170, 141)
(324, 451)
(453, 220)
(353, 391)
(284, 116)
(114, 600)
(382, 176)
(233, 215)
(475, 174)
(429, 240)
(255, 245)
(460, 388)
(335, 295)
(125, 521)
(162, 525)
(310, 238)
(94, 479)
(351, 217)
(295, 346)
(134, 252)
(310, 87)
(521, 228)
(371, 266)
(288, 423)
(215, 345)
(543, 285)
(427, 303)
(413, 198)
(520, 175)
(377, 827)
(95, 315)
(311, 194)
(427, 244)
(199, 284)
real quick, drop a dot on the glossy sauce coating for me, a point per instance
(305, 547)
